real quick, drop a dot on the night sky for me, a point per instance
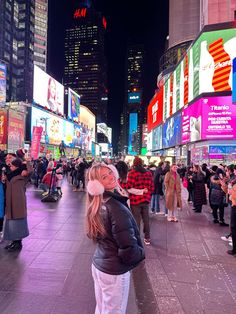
(126, 20)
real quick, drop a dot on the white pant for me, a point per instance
(111, 292)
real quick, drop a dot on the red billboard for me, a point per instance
(3, 129)
(16, 130)
(155, 110)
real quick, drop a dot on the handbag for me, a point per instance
(185, 182)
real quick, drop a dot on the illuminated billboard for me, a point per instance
(171, 131)
(16, 130)
(52, 125)
(3, 84)
(68, 133)
(47, 92)
(133, 134)
(134, 98)
(206, 68)
(155, 110)
(157, 138)
(209, 118)
(3, 129)
(87, 118)
(73, 105)
(234, 81)
(104, 129)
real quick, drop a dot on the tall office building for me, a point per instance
(17, 46)
(40, 33)
(133, 106)
(85, 63)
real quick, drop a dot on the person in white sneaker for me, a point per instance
(173, 193)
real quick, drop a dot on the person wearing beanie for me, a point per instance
(140, 178)
(119, 249)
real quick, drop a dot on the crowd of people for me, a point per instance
(120, 200)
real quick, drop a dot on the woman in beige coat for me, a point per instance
(172, 192)
(15, 226)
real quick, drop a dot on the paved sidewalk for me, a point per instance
(186, 270)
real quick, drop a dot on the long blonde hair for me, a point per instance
(94, 223)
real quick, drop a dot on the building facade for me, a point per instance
(133, 112)
(40, 33)
(85, 63)
(17, 47)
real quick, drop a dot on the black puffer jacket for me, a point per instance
(121, 249)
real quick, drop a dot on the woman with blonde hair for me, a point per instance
(111, 226)
(172, 192)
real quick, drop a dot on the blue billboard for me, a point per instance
(3, 84)
(157, 138)
(134, 98)
(171, 132)
(133, 134)
(73, 105)
(234, 82)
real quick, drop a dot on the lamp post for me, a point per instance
(45, 120)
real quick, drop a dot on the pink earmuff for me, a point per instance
(95, 188)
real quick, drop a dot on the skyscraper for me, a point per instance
(40, 33)
(85, 63)
(133, 97)
(17, 46)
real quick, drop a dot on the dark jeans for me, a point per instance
(1, 223)
(82, 179)
(233, 226)
(141, 211)
(198, 208)
(215, 212)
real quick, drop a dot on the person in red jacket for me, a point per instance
(140, 178)
(46, 181)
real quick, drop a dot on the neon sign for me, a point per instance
(80, 13)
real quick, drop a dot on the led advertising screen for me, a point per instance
(155, 110)
(3, 129)
(234, 82)
(87, 118)
(16, 130)
(191, 123)
(52, 126)
(3, 84)
(219, 118)
(207, 67)
(133, 134)
(171, 131)
(157, 138)
(73, 105)
(134, 98)
(68, 133)
(209, 118)
(48, 92)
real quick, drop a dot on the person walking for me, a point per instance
(16, 226)
(111, 225)
(199, 189)
(158, 188)
(217, 200)
(172, 184)
(140, 178)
